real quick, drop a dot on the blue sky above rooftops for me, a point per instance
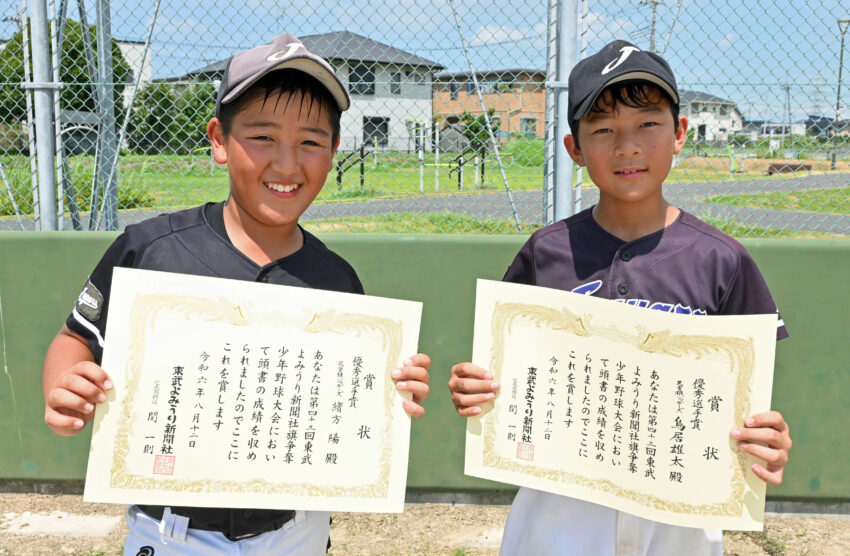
(755, 53)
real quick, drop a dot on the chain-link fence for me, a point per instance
(452, 125)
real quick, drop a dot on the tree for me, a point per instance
(475, 129)
(77, 92)
(171, 118)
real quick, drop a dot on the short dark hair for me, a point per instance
(280, 82)
(634, 94)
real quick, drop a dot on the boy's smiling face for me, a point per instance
(628, 151)
(278, 153)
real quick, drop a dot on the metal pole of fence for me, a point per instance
(106, 170)
(362, 165)
(493, 141)
(437, 157)
(564, 174)
(550, 142)
(842, 26)
(42, 85)
(91, 66)
(57, 32)
(25, 39)
(421, 133)
(583, 31)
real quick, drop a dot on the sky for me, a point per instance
(759, 54)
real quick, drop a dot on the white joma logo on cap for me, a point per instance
(282, 54)
(625, 52)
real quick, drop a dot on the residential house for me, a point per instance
(517, 97)
(758, 129)
(390, 90)
(712, 118)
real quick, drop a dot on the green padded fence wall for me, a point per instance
(42, 273)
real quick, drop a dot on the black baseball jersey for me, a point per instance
(194, 241)
(688, 267)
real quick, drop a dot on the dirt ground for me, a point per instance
(423, 529)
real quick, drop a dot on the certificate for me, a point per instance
(621, 406)
(248, 395)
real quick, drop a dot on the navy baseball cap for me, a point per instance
(285, 52)
(617, 62)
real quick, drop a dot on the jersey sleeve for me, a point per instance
(88, 318)
(748, 295)
(521, 270)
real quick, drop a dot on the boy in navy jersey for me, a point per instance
(277, 129)
(636, 248)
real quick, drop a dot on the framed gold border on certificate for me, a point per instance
(621, 406)
(237, 394)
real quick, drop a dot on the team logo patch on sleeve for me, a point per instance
(90, 302)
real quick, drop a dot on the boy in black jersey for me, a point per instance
(636, 248)
(277, 129)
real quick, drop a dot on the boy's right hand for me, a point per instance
(471, 386)
(71, 400)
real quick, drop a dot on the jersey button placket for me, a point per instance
(622, 288)
(626, 256)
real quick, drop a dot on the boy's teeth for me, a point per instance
(280, 188)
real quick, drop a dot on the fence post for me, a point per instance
(106, 171)
(437, 158)
(566, 58)
(422, 163)
(362, 165)
(483, 165)
(460, 173)
(45, 145)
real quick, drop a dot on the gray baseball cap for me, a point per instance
(285, 52)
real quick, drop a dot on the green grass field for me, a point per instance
(170, 182)
(829, 201)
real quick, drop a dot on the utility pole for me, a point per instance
(842, 26)
(654, 4)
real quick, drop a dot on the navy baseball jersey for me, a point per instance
(688, 267)
(195, 241)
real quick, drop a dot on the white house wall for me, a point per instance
(414, 103)
(133, 52)
(731, 123)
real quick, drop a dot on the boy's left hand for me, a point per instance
(413, 377)
(766, 436)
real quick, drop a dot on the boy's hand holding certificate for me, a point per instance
(618, 406)
(238, 394)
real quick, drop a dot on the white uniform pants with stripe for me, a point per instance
(306, 534)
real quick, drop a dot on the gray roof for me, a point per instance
(342, 46)
(688, 97)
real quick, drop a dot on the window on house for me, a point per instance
(454, 87)
(528, 127)
(724, 110)
(376, 129)
(395, 84)
(361, 80)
